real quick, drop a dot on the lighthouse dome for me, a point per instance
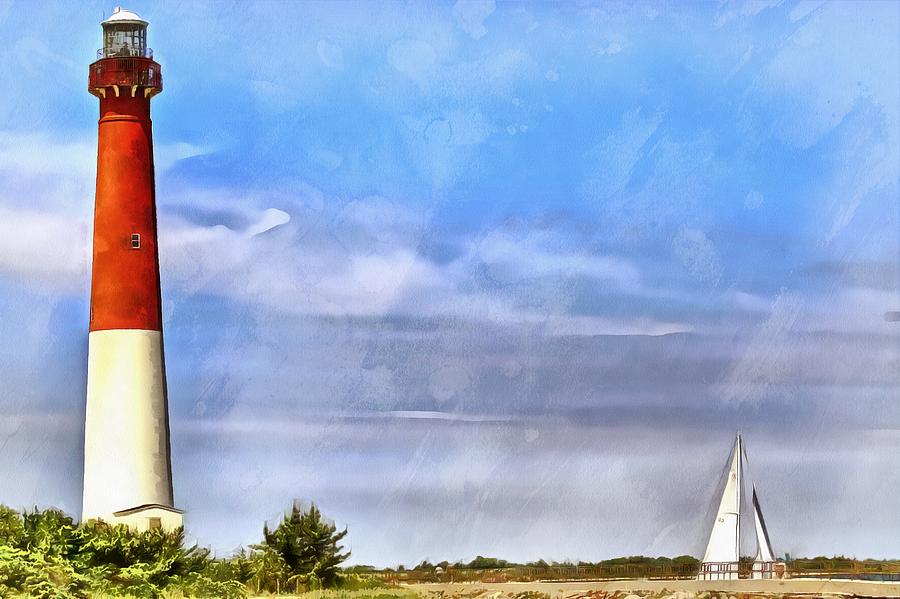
(121, 16)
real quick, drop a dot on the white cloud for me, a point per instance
(750, 302)
(377, 225)
(374, 269)
(431, 415)
(732, 10)
(468, 127)
(285, 257)
(510, 258)
(697, 254)
(815, 338)
(331, 54)
(48, 250)
(272, 96)
(414, 58)
(852, 310)
(745, 58)
(507, 65)
(24, 155)
(39, 155)
(326, 158)
(470, 16)
(595, 325)
(381, 278)
(753, 200)
(610, 49)
(288, 272)
(166, 155)
(448, 381)
(804, 8)
(36, 57)
(270, 218)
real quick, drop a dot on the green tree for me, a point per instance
(50, 532)
(309, 547)
(142, 563)
(12, 528)
(484, 563)
(270, 572)
(239, 568)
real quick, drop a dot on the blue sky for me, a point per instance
(477, 278)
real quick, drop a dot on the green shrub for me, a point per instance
(45, 554)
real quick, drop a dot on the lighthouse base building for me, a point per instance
(127, 466)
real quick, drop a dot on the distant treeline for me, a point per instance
(843, 564)
(496, 569)
(493, 563)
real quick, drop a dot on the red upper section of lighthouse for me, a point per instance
(125, 292)
(122, 75)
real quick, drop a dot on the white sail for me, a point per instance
(725, 538)
(764, 563)
(764, 551)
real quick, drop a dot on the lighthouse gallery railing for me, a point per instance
(143, 72)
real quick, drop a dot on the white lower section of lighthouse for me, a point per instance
(127, 469)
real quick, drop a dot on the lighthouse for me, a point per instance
(127, 466)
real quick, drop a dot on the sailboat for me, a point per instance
(722, 558)
(764, 563)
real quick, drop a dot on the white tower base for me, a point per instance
(127, 473)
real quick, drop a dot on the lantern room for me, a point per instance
(124, 35)
(124, 62)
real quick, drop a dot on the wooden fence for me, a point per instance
(840, 569)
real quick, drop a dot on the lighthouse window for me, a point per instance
(124, 40)
(155, 523)
(135, 241)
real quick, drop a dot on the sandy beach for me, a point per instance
(677, 589)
